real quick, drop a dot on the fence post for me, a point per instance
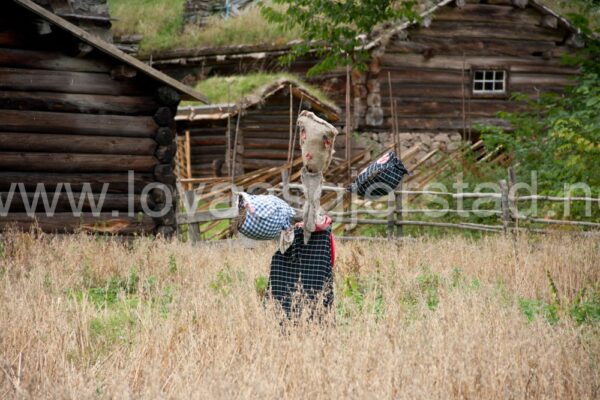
(391, 211)
(193, 229)
(399, 213)
(512, 204)
(505, 206)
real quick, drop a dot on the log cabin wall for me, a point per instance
(265, 132)
(432, 67)
(70, 115)
(208, 145)
(263, 136)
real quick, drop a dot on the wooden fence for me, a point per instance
(394, 216)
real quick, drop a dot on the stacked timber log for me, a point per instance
(98, 123)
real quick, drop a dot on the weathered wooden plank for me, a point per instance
(68, 162)
(80, 103)
(515, 64)
(426, 123)
(68, 223)
(11, 38)
(490, 30)
(46, 60)
(65, 82)
(263, 143)
(475, 46)
(117, 182)
(110, 202)
(489, 12)
(541, 79)
(476, 108)
(81, 124)
(424, 76)
(52, 143)
(253, 164)
(265, 154)
(208, 149)
(207, 140)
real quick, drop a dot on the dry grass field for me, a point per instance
(88, 317)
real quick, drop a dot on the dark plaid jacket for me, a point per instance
(304, 271)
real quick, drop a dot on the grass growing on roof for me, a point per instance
(221, 89)
(161, 23)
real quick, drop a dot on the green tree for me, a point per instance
(335, 30)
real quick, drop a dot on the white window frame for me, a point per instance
(494, 80)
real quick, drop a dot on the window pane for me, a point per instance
(478, 86)
(500, 75)
(478, 75)
(489, 75)
(489, 86)
(499, 86)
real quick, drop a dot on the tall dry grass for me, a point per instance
(435, 319)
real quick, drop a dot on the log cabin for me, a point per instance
(262, 122)
(450, 72)
(77, 115)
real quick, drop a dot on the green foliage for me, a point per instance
(534, 308)
(172, 264)
(332, 29)
(261, 285)
(359, 296)
(429, 283)
(559, 137)
(458, 280)
(584, 308)
(226, 279)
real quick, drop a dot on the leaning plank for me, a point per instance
(63, 162)
(65, 82)
(39, 142)
(83, 124)
(79, 103)
(68, 223)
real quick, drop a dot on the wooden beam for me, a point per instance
(520, 3)
(66, 82)
(118, 182)
(78, 103)
(68, 223)
(55, 143)
(82, 124)
(69, 162)
(549, 21)
(48, 60)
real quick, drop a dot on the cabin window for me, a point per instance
(489, 82)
